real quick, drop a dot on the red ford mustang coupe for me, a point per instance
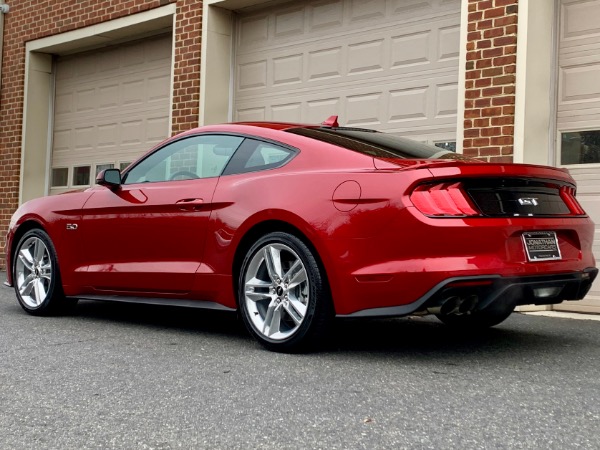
(295, 224)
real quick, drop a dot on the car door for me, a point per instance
(146, 236)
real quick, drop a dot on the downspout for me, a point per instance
(3, 10)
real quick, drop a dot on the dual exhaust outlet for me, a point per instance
(455, 306)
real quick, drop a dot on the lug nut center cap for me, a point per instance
(279, 291)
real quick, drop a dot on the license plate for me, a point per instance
(541, 245)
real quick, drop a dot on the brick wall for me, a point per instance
(33, 19)
(490, 79)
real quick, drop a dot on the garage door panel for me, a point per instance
(111, 105)
(390, 65)
(580, 83)
(353, 58)
(579, 19)
(396, 106)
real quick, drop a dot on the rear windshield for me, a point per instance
(376, 144)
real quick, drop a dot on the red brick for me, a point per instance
(489, 151)
(473, 93)
(483, 82)
(482, 102)
(505, 40)
(501, 159)
(501, 140)
(504, 120)
(504, 100)
(493, 72)
(474, 36)
(493, 33)
(505, 60)
(490, 92)
(475, 16)
(485, 24)
(505, 79)
(492, 52)
(481, 142)
(484, 4)
(486, 43)
(490, 112)
(483, 63)
(494, 12)
(504, 21)
(470, 151)
(491, 131)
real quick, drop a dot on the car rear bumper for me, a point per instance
(472, 293)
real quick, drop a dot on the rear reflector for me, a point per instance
(442, 200)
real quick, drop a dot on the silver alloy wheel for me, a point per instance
(276, 291)
(33, 272)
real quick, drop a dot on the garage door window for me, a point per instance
(580, 147)
(446, 145)
(60, 177)
(101, 167)
(81, 175)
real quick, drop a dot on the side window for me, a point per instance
(257, 155)
(194, 157)
(266, 154)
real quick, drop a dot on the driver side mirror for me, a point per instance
(110, 178)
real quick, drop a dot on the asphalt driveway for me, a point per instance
(129, 377)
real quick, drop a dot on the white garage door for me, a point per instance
(384, 64)
(579, 114)
(111, 105)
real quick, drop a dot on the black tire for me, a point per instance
(479, 320)
(305, 310)
(36, 276)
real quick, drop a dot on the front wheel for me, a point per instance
(283, 295)
(36, 275)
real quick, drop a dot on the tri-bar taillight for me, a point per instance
(443, 200)
(499, 198)
(567, 194)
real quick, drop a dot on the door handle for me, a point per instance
(189, 204)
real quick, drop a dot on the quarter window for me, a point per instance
(189, 158)
(255, 155)
(266, 154)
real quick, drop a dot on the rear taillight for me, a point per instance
(567, 194)
(442, 200)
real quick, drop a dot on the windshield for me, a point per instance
(376, 144)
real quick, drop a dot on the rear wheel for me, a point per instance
(283, 296)
(36, 275)
(486, 318)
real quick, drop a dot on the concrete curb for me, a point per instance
(564, 315)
